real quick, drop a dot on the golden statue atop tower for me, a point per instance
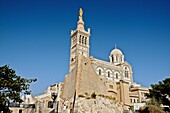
(80, 14)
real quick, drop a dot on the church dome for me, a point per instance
(116, 51)
(116, 56)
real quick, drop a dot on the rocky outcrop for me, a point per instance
(98, 105)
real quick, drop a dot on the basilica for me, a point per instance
(88, 75)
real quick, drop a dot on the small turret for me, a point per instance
(116, 56)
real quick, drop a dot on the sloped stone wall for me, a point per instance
(88, 80)
(69, 85)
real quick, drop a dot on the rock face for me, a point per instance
(98, 105)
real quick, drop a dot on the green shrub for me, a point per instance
(93, 95)
(81, 96)
(107, 97)
(100, 95)
(86, 93)
(152, 101)
(151, 109)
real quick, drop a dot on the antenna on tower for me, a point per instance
(115, 46)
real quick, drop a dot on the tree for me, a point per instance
(160, 92)
(11, 86)
(150, 109)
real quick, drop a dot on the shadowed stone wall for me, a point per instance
(88, 80)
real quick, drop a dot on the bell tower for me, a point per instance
(79, 41)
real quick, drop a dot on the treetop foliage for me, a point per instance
(161, 92)
(11, 86)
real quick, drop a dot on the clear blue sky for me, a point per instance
(35, 36)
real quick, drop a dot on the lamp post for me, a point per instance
(54, 97)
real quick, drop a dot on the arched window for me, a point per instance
(20, 111)
(126, 74)
(80, 39)
(108, 73)
(112, 58)
(99, 71)
(116, 57)
(121, 58)
(116, 75)
(85, 40)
